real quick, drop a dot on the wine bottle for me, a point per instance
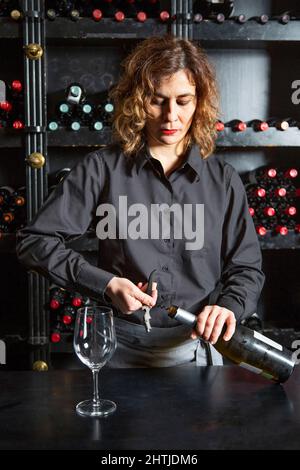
(6, 193)
(111, 11)
(57, 297)
(68, 314)
(248, 348)
(259, 126)
(85, 112)
(238, 126)
(65, 112)
(18, 197)
(279, 124)
(262, 175)
(3, 229)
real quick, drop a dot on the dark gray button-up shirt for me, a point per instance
(223, 267)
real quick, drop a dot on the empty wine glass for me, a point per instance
(94, 343)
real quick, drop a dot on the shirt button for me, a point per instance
(165, 268)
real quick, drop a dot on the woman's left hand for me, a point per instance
(210, 323)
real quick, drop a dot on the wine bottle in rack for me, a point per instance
(4, 229)
(133, 9)
(18, 197)
(6, 193)
(85, 111)
(75, 93)
(238, 126)
(279, 124)
(287, 175)
(65, 112)
(68, 314)
(110, 10)
(105, 112)
(58, 297)
(259, 125)
(211, 9)
(261, 19)
(262, 175)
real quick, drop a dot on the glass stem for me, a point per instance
(96, 400)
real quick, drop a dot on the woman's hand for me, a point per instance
(128, 297)
(210, 323)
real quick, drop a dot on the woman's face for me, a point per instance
(172, 108)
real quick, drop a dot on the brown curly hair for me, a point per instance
(150, 61)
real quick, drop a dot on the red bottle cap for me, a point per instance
(263, 126)
(260, 192)
(220, 126)
(97, 14)
(76, 302)
(119, 16)
(18, 125)
(269, 211)
(54, 304)
(164, 15)
(282, 229)
(141, 16)
(5, 106)
(67, 319)
(16, 85)
(280, 192)
(261, 230)
(271, 173)
(291, 210)
(291, 173)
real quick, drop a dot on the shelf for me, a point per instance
(274, 241)
(88, 29)
(208, 30)
(251, 30)
(251, 138)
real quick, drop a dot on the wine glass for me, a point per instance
(94, 343)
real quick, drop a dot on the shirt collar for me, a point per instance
(193, 158)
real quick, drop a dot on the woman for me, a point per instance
(164, 202)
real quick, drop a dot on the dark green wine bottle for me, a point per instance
(248, 348)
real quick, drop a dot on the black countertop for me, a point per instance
(167, 408)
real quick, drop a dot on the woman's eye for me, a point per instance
(182, 103)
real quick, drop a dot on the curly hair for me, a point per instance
(150, 61)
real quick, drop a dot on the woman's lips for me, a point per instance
(169, 132)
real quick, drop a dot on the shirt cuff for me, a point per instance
(231, 304)
(92, 281)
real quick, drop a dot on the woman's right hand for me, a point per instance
(128, 297)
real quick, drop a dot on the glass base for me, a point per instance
(88, 408)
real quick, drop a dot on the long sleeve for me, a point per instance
(242, 278)
(66, 215)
